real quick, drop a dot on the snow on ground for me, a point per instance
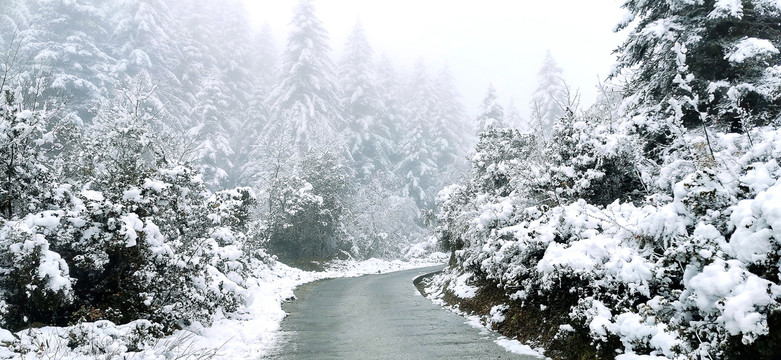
(516, 347)
(251, 332)
(483, 323)
(511, 345)
(255, 331)
(462, 289)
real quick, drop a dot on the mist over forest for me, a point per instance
(166, 164)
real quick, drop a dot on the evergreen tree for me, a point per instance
(370, 143)
(548, 101)
(491, 114)
(237, 67)
(70, 39)
(15, 17)
(390, 90)
(250, 137)
(213, 151)
(266, 54)
(722, 55)
(418, 165)
(450, 129)
(305, 93)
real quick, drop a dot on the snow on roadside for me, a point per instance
(511, 345)
(483, 323)
(255, 331)
(516, 347)
(251, 332)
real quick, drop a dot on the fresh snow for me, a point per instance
(462, 289)
(727, 8)
(251, 332)
(516, 347)
(482, 323)
(750, 48)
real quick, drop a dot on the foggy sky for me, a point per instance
(498, 41)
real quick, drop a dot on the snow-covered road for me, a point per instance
(378, 317)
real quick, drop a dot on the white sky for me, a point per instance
(498, 41)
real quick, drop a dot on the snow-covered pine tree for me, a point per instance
(251, 138)
(151, 42)
(305, 93)
(70, 39)
(391, 95)
(213, 151)
(370, 143)
(266, 57)
(230, 39)
(547, 104)
(418, 163)
(491, 114)
(15, 16)
(731, 52)
(450, 126)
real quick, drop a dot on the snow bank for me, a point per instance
(250, 332)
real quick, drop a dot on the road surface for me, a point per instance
(378, 317)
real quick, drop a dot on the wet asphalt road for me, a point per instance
(378, 317)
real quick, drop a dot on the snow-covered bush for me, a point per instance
(36, 285)
(690, 270)
(29, 143)
(588, 160)
(126, 235)
(304, 222)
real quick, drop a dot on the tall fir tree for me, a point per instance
(15, 16)
(548, 100)
(723, 54)
(370, 143)
(491, 114)
(251, 136)
(391, 95)
(70, 39)
(450, 128)
(417, 165)
(305, 93)
(266, 58)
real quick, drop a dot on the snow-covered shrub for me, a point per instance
(690, 272)
(35, 283)
(232, 208)
(127, 235)
(588, 160)
(499, 155)
(304, 222)
(30, 142)
(102, 338)
(656, 238)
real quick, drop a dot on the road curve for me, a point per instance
(378, 317)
